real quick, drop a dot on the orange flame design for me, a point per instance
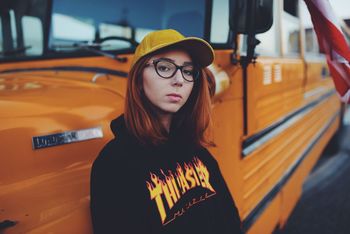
(167, 191)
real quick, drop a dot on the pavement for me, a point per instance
(324, 207)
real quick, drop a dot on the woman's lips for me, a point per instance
(174, 97)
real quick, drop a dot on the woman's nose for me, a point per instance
(178, 77)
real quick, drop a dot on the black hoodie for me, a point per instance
(171, 188)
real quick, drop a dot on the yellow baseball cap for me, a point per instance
(199, 49)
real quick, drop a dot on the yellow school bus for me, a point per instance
(63, 73)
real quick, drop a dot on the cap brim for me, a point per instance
(199, 49)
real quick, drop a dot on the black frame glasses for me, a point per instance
(195, 71)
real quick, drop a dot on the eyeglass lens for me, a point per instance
(167, 69)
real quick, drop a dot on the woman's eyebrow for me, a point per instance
(187, 63)
(167, 59)
(170, 60)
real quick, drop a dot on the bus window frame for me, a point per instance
(283, 15)
(284, 51)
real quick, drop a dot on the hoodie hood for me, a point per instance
(118, 125)
(176, 137)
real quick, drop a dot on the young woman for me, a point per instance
(156, 176)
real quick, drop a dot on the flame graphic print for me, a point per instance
(166, 190)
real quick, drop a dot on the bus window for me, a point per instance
(66, 28)
(21, 27)
(33, 35)
(109, 30)
(311, 44)
(13, 28)
(131, 20)
(1, 36)
(9, 37)
(270, 40)
(291, 7)
(290, 28)
(219, 22)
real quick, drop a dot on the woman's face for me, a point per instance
(162, 92)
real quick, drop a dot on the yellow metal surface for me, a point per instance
(275, 88)
(269, 219)
(47, 190)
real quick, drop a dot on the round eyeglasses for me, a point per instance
(167, 69)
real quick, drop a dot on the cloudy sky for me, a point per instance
(341, 8)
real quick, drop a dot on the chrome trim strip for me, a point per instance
(98, 75)
(39, 142)
(248, 150)
(314, 92)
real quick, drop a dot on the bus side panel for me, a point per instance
(272, 165)
(292, 191)
(47, 190)
(269, 219)
(228, 126)
(275, 88)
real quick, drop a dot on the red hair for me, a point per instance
(193, 118)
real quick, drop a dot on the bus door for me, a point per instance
(272, 138)
(291, 111)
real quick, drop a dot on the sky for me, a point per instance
(341, 8)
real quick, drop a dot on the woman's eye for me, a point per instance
(163, 68)
(188, 72)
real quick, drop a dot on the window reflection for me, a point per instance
(219, 21)
(290, 34)
(131, 19)
(269, 41)
(311, 45)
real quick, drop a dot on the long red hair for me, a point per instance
(194, 117)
